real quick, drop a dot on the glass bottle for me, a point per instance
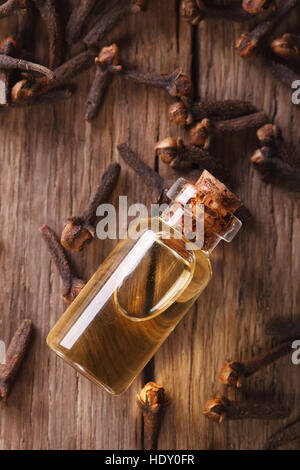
(146, 285)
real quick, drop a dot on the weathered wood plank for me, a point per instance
(51, 160)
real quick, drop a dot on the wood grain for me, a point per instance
(51, 161)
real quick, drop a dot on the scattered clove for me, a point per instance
(182, 157)
(287, 46)
(193, 12)
(249, 43)
(234, 373)
(107, 56)
(284, 328)
(72, 285)
(11, 7)
(152, 179)
(255, 7)
(282, 72)
(202, 133)
(152, 401)
(49, 13)
(110, 19)
(26, 89)
(273, 169)
(51, 97)
(11, 63)
(284, 436)
(176, 84)
(14, 357)
(220, 408)
(79, 231)
(180, 114)
(77, 19)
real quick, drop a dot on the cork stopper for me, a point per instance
(219, 206)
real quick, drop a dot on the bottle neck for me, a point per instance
(199, 219)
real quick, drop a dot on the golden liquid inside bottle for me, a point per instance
(129, 307)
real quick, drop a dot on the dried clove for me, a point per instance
(51, 97)
(110, 19)
(193, 12)
(176, 84)
(248, 44)
(287, 46)
(79, 231)
(14, 357)
(282, 72)
(77, 19)
(72, 285)
(182, 157)
(152, 401)
(273, 169)
(284, 436)
(107, 56)
(152, 179)
(220, 408)
(180, 114)
(49, 13)
(255, 7)
(12, 7)
(26, 89)
(202, 133)
(234, 373)
(11, 63)
(284, 328)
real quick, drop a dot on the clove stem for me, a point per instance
(14, 357)
(152, 179)
(49, 13)
(176, 84)
(79, 231)
(72, 285)
(77, 19)
(110, 19)
(107, 56)
(284, 436)
(11, 63)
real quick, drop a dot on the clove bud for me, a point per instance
(182, 157)
(79, 231)
(152, 401)
(287, 46)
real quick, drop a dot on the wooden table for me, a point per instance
(51, 161)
